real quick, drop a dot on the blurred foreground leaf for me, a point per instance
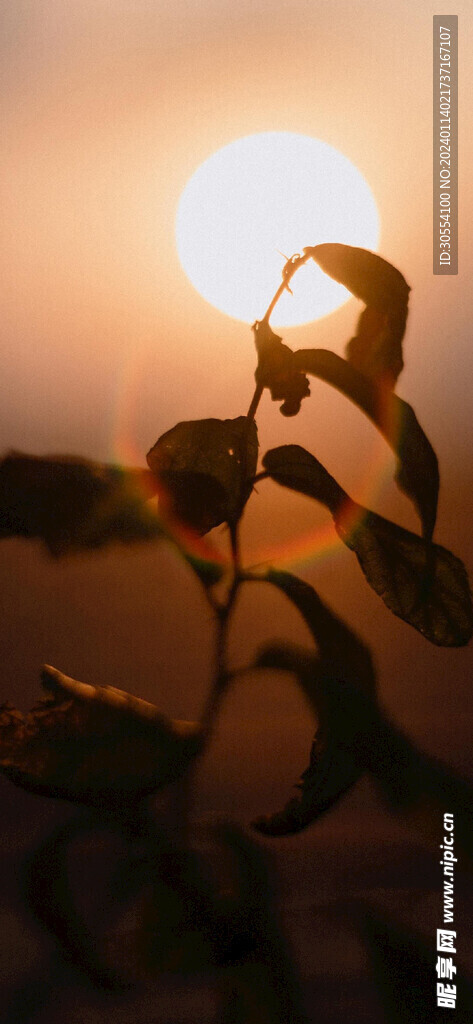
(423, 584)
(338, 755)
(204, 469)
(74, 504)
(339, 683)
(206, 905)
(417, 474)
(377, 348)
(260, 985)
(340, 650)
(354, 737)
(93, 744)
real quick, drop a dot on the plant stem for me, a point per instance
(288, 272)
(221, 674)
(223, 610)
(255, 402)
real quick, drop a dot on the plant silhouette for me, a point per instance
(110, 751)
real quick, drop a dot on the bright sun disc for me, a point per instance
(260, 194)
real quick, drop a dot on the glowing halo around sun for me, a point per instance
(258, 197)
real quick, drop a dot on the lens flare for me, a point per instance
(305, 548)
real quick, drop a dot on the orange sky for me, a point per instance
(107, 109)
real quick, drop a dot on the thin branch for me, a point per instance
(288, 272)
(255, 402)
(223, 609)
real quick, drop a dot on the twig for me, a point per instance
(288, 272)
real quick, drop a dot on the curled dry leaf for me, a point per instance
(424, 584)
(205, 469)
(277, 370)
(377, 348)
(417, 474)
(93, 744)
(73, 504)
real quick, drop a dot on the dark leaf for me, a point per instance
(340, 650)
(332, 771)
(376, 350)
(373, 280)
(348, 717)
(204, 469)
(277, 370)
(353, 735)
(417, 473)
(94, 745)
(340, 686)
(353, 738)
(423, 584)
(432, 594)
(293, 466)
(74, 504)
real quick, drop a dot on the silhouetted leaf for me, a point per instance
(353, 735)
(277, 370)
(430, 593)
(368, 276)
(92, 744)
(417, 472)
(347, 715)
(395, 562)
(376, 350)
(340, 650)
(293, 466)
(353, 738)
(339, 684)
(73, 503)
(205, 469)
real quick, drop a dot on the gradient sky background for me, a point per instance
(107, 109)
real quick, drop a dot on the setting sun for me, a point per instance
(258, 198)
